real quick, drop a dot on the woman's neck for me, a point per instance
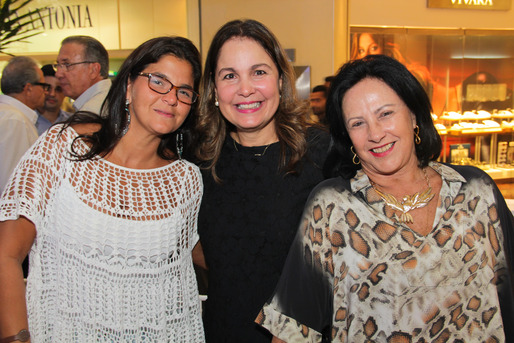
(250, 139)
(405, 181)
(139, 153)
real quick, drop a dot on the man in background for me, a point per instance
(318, 101)
(23, 87)
(51, 112)
(82, 68)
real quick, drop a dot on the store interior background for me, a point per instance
(450, 43)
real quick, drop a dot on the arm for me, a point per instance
(301, 307)
(198, 257)
(22, 207)
(16, 238)
(277, 340)
(506, 289)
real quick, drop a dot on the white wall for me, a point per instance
(304, 25)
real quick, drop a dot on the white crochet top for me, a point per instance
(112, 258)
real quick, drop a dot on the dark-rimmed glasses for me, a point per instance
(161, 85)
(46, 86)
(66, 66)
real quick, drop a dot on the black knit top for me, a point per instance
(246, 225)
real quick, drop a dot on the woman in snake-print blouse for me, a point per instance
(396, 247)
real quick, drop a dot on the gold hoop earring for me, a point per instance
(356, 160)
(417, 139)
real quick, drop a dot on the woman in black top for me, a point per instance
(261, 161)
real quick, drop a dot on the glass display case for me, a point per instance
(468, 76)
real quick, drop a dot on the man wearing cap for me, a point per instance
(51, 112)
(82, 69)
(24, 90)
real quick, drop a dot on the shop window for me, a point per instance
(469, 78)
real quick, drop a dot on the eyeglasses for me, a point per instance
(66, 66)
(162, 85)
(46, 86)
(57, 89)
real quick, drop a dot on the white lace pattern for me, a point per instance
(112, 258)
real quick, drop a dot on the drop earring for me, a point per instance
(356, 160)
(125, 129)
(179, 144)
(216, 103)
(417, 139)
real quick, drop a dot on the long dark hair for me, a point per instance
(395, 75)
(290, 118)
(115, 119)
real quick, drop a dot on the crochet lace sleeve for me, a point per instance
(192, 186)
(30, 186)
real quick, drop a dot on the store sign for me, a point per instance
(55, 20)
(471, 4)
(62, 17)
(118, 24)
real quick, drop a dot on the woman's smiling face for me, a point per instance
(381, 127)
(247, 86)
(156, 113)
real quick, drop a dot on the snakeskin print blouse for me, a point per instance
(354, 274)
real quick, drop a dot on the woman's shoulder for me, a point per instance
(468, 172)
(58, 134)
(318, 142)
(317, 134)
(190, 166)
(72, 130)
(332, 186)
(85, 128)
(317, 138)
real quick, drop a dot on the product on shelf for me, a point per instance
(503, 114)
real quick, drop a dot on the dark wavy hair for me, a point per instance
(290, 118)
(112, 124)
(395, 75)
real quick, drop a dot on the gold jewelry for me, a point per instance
(355, 157)
(416, 133)
(256, 155)
(409, 202)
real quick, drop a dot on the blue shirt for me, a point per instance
(43, 124)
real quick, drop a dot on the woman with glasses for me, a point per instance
(107, 207)
(261, 162)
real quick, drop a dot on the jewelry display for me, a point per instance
(408, 202)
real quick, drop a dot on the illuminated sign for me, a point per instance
(118, 24)
(63, 17)
(471, 4)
